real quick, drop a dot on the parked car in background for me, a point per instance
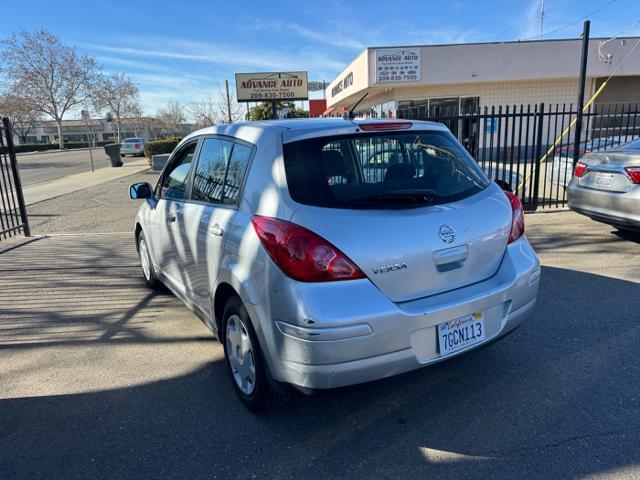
(562, 170)
(317, 268)
(606, 186)
(132, 146)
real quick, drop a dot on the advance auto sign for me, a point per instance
(397, 65)
(255, 87)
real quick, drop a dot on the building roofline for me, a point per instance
(508, 42)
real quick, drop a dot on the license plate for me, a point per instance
(603, 179)
(461, 333)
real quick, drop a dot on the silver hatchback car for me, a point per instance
(318, 269)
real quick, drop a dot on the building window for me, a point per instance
(381, 110)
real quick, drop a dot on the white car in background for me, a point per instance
(132, 146)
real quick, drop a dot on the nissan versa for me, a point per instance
(329, 252)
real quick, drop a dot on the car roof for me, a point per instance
(328, 123)
(297, 127)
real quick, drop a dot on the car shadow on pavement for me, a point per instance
(629, 235)
(557, 399)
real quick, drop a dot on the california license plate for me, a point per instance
(461, 333)
(603, 180)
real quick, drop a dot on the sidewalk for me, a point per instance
(72, 183)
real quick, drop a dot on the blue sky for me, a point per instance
(183, 50)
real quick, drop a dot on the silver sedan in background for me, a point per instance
(606, 186)
(132, 146)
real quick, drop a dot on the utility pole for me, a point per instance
(541, 19)
(583, 78)
(229, 119)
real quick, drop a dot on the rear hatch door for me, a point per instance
(415, 253)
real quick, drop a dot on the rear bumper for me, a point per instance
(613, 208)
(131, 151)
(380, 338)
(387, 365)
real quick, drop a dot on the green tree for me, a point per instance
(263, 111)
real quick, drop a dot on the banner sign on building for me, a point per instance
(397, 65)
(258, 87)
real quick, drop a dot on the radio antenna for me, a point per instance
(350, 115)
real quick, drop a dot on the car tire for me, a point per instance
(245, 362)
(148, 272)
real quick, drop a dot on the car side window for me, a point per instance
(174, 181)
(235, 173)
(209, 174)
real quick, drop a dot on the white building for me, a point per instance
(98, 129)
(420, 81)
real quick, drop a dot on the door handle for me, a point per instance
(450, 258)
(171, 217)
(216, 230)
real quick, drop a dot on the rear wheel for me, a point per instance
(245, 361)
(148, 272)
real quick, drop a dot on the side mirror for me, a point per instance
(139, 191)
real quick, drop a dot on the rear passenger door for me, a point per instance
(216, 184)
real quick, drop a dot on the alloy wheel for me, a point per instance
(240, 355)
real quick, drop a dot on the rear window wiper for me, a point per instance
(414, 195)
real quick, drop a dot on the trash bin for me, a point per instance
(113, 152)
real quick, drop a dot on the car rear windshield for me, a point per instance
(132, 140)
(381, 170)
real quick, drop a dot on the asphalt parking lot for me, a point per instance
(101, 378)
(52, 164)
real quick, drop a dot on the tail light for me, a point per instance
(137, 146)
(580, 170)
(384, 126)
(517, 217)
(634, 174)
(302, 254)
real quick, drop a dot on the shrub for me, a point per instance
(164, 145)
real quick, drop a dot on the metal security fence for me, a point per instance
(531, 147)
(13, 213)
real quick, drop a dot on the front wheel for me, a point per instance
(245, 361)
(148, 271)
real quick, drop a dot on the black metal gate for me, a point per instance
(13, 213)
(531, 147)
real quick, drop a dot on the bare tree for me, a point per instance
(230, 109)
(117, 94)
(53, 77)
(171, 117)
(205, 111)
(23, 115)
(137, 122)
(218, 108)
